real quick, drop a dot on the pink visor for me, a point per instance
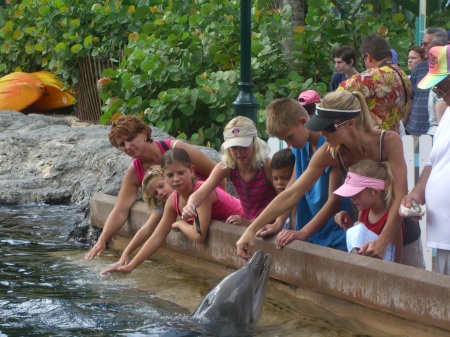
(354, 183)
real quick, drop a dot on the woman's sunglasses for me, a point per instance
(333, 127)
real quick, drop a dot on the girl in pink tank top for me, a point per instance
(179, 175)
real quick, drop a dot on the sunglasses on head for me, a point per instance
(333, 127)
(438, 91)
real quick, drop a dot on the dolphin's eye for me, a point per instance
(209, 301)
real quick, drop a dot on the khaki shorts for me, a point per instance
(413, 254)
(442, 262)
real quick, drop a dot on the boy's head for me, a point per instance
(308, 100)
(286, 119)
(282, 166)
(344, 58)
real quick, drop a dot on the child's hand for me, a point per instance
(238, 221)
(286, 236)
(176, 227)
(123, 261)
(95, 251)
(267, 230)
(115, 268)
(189, 211)
(343, 219)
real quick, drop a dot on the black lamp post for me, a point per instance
(245, 104)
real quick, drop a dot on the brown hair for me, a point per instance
(419, 50)
(282, 159)
(128, 126)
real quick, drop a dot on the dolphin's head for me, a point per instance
(239, 297)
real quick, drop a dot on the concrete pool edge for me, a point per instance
(411, 294)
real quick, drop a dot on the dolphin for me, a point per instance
(239, 297)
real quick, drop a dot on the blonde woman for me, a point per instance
(344, 120)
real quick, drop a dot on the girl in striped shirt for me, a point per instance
(246, 163)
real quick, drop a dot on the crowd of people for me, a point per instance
(344, 165)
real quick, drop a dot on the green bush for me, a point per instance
(176, 64)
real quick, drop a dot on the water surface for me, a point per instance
(47, 289)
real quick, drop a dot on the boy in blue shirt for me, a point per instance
(286, 119)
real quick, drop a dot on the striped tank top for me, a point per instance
(254, 195)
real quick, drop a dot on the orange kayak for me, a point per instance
(19, 90)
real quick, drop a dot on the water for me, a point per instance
(47, 289)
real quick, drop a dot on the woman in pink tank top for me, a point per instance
(133, 137)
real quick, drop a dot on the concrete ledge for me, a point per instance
(411, 294)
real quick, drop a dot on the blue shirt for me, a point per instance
(418, 120)
(336, 80)
(330, 235)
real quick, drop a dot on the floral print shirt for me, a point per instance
(384, 92)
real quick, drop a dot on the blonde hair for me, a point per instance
(260, 148)
(378, 170)
(150, 200)
(346, 100)
(283, 113)
(130, 127)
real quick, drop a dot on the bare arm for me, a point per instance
(405, 118)
(285, 200)
(326, 212)
(271, 229)
(394, 156)
(116, 219)
(204, 217)
(440, 108)
(140, 237)
(155, 241)
(218, 174)
(418, 192)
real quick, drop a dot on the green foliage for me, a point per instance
(180, 71)
(325, 30)
(176, 64)
(439, 18)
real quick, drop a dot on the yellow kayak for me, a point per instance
(56, 94)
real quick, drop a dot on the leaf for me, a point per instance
(74, 23)
(76, 48)
(61, 46)
(87, 41)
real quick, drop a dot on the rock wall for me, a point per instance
(56, 161)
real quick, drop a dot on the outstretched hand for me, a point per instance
(97, 250)
(117, 268)
(245, 245)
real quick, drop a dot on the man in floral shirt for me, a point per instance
(384, 84)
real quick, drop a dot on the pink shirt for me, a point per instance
(225, 205)
(164, 145)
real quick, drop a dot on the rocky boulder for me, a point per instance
(56, 160)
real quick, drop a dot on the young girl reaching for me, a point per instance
(369, 184)
(179, 174)
(155, 192)
(245, 161)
